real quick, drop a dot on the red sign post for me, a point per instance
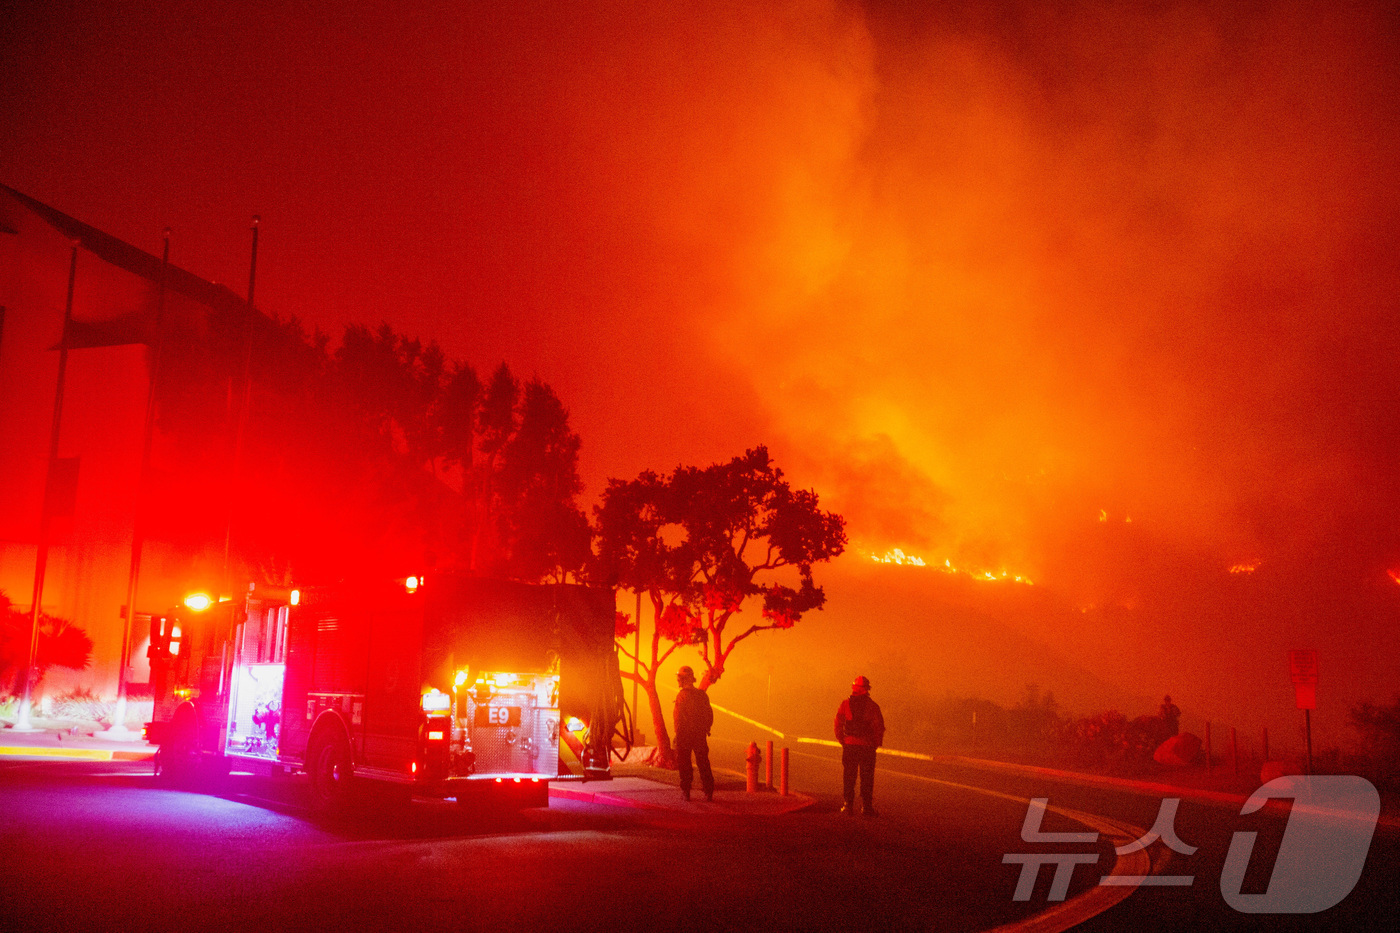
(1302, 669)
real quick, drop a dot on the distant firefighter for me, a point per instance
(692, 718)
(1170, 716)
(860, 728)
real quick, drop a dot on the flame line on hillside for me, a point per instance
(897, 556)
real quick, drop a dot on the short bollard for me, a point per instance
(783, 775)
(752, 770)
(768, 766)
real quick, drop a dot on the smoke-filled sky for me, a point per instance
(983, 274)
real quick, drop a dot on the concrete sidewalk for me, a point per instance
(633, 786)
(64, 740)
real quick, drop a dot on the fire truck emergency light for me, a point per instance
(412, 583)
(198, 601)
(436, 701)
(295, 597)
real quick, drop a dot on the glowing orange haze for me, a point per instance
(979, 277)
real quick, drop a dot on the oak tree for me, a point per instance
(704, 543)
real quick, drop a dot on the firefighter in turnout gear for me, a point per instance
(860, 728)
(692, 720)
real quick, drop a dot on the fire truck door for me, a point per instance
(395, 686)
(256, 681)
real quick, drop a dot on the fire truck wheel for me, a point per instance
(219, 768)
(332, 773)
(179, 757)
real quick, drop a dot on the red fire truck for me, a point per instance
(447, 687)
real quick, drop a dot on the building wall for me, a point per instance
(102, 418)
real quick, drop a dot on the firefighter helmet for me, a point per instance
(861, 684)
(686, 675)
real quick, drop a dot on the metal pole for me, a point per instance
(118, 727)
(783, 775)
(1307, 726)
(41, 556)
(636, 656)
(768, 765)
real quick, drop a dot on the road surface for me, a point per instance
(102, 846)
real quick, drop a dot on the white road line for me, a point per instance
(1128, 870)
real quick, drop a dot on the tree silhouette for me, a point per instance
(382, 455)
(701, 543)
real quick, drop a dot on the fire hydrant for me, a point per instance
(753, 758)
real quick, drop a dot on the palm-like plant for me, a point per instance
(60, 642)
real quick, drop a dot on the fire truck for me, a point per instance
(444, 687)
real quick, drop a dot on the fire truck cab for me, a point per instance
(456, 687)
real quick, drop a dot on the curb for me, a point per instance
(732, 803)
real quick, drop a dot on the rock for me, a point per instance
(1178, 751)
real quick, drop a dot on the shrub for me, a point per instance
(1101, 738)
(1379, 729)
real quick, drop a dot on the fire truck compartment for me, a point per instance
(255, 719)
(510, 724)
(256, 682)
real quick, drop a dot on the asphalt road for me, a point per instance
(905, 796)
(100, 846)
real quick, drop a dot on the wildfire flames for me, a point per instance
(1248, 567)
(898, 556)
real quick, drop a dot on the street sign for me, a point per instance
(1302, 666)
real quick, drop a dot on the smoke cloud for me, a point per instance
(1101, 294)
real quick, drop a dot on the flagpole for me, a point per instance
(41, 557)
(242, 411)
(118, 728)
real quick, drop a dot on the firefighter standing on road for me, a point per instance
(860, 728)
(692, 720)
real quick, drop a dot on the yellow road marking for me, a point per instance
(86, 754)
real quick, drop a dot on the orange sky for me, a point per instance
(976, 274)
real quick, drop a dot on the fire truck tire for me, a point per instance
(332, 772)
(179, 754)
(219, 769)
